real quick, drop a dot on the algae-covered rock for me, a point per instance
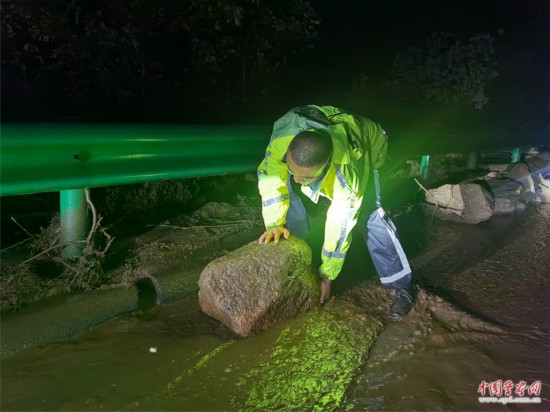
(256, 286)
(314, 361)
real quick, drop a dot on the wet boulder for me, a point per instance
(506, 193)
(543, 189)
(256, 286)
(314, 361)
(497, 168)
(539, 166)
(463, 203)
(520, 172)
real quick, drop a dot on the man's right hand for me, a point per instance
(275, 234)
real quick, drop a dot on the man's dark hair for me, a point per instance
(310, 148)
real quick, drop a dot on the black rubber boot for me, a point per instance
(402, 303)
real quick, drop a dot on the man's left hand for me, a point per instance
(325, 289)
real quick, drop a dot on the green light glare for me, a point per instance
(314, 360)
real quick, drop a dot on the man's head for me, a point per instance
(308, 156)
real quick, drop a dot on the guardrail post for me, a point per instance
(425, 167)
(516, 155)
(73, 222)
(471, 163)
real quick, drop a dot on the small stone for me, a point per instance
(152, 349)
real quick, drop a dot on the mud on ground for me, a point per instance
(186, 241)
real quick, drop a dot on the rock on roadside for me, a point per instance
(256, 286)
(506, 193)
(510, 187)
(520, 172)
(463, 203)
(539, 166)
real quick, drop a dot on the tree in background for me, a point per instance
(105, 55)
(447, 70)
(238, 47)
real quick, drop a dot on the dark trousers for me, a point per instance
(299, 223)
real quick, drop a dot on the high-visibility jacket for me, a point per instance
(344, 183)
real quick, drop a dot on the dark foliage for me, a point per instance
(85, 56)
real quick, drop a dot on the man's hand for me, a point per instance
(275, 234)
(325, 289)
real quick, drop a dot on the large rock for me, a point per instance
(506, 193)
(314, 361)
(464, 203)
(498, 167)
(256, 286)
(543, 189)
(521, 173)
(539, 166)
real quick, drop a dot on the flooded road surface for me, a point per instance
(498, 271)
(482, 315)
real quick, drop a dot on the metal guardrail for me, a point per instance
(39, 158)
(45, 157)
(70, 157)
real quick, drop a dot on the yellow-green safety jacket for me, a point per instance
(344, 183)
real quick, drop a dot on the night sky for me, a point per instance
(364, 37)
(356, 38)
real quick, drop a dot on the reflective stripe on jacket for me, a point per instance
(344, 183)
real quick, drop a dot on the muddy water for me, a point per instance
(436, 361)
(493, 323)
(498, 271)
